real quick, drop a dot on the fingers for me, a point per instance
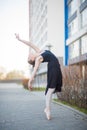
(29, 86)
(17, 35)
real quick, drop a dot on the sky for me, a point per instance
(14, 18)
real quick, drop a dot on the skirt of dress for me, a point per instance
(54, 79)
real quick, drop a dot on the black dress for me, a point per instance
(54, 74)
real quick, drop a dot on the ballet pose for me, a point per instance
(54, 74)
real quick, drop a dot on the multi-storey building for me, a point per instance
(76, 33)
(38, 21)
(46, 24)
(46, 29)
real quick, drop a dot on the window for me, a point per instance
(69, 30)
(73, 27)
(84, 17)
(72, 7)
(84, 44)
(74, 49)
(82, 1)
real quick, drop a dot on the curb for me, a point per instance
(68, 107)
(73, 109)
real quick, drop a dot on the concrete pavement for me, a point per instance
(23, 110)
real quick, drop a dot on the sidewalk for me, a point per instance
(23, 110)
(41, 95)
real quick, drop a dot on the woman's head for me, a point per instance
(31, 59)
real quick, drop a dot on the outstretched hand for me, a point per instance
(30, 84)
(17, 36)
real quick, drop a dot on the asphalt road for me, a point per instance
(23, 110)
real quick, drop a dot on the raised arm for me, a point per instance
(28, 44)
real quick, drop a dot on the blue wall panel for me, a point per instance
(65, 32)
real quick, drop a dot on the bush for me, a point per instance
(25, 83)
(74, 89)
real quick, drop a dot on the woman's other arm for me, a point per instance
(37, 64)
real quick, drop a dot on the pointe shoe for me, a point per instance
(47, 114)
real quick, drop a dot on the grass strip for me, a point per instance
(84, 110)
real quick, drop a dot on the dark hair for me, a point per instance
(31, 62)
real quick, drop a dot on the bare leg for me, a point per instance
(48, 102)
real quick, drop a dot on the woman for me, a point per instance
(54, 75)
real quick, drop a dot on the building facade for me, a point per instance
(46, 22)
(38, 34)
(38, 22)
(46, 30)
(75, 31)
(76, 34)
